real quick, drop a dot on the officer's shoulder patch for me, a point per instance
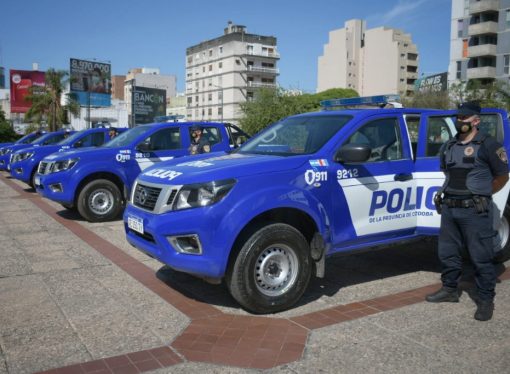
(501, 152)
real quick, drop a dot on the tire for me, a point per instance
(99, 201)
(277, 248)
(504, 233)
(31, 182)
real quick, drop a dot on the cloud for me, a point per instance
(402, 10)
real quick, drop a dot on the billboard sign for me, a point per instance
(432, 83)
(148, 103)
(22, 82)
(91, 82)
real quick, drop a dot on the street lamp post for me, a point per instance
(221, 102)
(133, 115)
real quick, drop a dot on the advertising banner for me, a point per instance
(433, 83)
(148, 103)
(91, 82)
(21, 83)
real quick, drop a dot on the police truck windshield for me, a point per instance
(296, 136)
(126, 138)
(72, 138)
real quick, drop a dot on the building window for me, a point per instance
(508, 18)
(249, 48)
(220, 65)
(220, 111)
(209, 97)
(220, 49)
(209, 112)
(249, 96)
(190, 59)
(210, 67)
(203, 84)
(270, 65)
(459, 69)
(203, 69)
(197, 56)
(210, 53)
(460, 28)
(506, 64)
(196, 99)
(238, 62)
(190, 100)
(209, 83)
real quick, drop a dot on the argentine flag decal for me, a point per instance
(320, 162)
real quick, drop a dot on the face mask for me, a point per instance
(463, 127)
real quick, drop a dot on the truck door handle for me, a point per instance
(403, 177)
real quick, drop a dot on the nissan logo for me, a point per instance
(141, 196)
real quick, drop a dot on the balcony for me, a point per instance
(411, 75)
(483, 6)
(260, 84)
(482, 50)
(263, 70)
(273, 54)
(412, 62)
(489, 27)
(481, 73)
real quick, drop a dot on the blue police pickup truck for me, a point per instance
(266, 216)
(28, 138)
(25, 161)
(98, 181)
(44, 140)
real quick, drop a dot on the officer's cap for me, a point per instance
(469, 108)
(196, 128)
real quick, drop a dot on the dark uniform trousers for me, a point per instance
(464, 229)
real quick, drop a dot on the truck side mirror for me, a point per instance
(353, 153)
(78, 144)
(143, 147)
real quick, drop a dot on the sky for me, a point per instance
(156, 33)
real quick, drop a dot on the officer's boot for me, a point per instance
(484, 310)
(444, 294)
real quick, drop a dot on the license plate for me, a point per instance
(136, 224)
(37, 180)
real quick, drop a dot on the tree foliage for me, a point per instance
(47, 101)
(7, 134)
(271, 105)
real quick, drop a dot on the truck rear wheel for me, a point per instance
(504, 234)
(272, 270)
(99, 201)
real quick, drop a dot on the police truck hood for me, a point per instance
(191, 170)
(97, 153)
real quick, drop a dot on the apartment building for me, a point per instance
(375, 61)
(224, 72)
(480, 41)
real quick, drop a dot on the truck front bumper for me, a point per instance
(160, 231)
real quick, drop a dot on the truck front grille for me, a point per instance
(146, 197)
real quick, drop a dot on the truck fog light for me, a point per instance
(19, 170)
(189, 244)
(57, 187)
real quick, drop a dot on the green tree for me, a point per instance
(427, 99)
(7, 134)
(47, 101)
(271, 105)
(494, 95)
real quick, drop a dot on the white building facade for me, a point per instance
(480, 41)
(224, 72)
(149, 78)
(372, 62)
(115, 115)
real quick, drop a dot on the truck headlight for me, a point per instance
(64, 165)
(202, 194)
(5, 151)
(22, 156)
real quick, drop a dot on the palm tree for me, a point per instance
(47, 100)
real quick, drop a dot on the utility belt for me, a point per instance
(480, 203)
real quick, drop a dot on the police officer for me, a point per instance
(112, 132)
(198, 143)
(476, 167)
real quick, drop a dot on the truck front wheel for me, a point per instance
(99, 201)
(272, 270)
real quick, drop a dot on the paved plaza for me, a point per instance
(75, 297)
